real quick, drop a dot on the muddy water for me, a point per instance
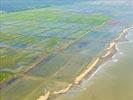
(113, 81)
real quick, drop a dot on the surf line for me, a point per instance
(108, 53)
(98, 61)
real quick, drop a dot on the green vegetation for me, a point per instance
(50, 15)
(7, 37)
(9, 57)
(52, 42)
(17, 38)
(94, 19)
(5, 75)
(42, 45)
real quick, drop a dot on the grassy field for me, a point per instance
(5, 75)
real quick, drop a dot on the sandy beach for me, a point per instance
(63, 90)
(82, 75)
(44, 97)
(97, 62)
(116, 69)
(107, 54)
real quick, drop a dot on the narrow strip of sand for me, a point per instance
(123, 32)
(63, 90)
(44, 97)
(89, 67)
(112, 44)
(107, 54)
(82, 75)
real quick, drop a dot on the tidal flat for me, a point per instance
(44, 49)
(113, 80)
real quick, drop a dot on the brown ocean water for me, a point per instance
(112, 81)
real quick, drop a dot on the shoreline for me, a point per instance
(44, 97)
(91, 68)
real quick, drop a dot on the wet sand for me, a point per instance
(112, 82)
(44, 97)
(82, 75)
(110, 51)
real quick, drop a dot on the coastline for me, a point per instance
(91, 68)
(44, 97)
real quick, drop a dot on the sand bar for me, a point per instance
(63, 90)
(107, 54)
(90, 67)
(44, 97)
